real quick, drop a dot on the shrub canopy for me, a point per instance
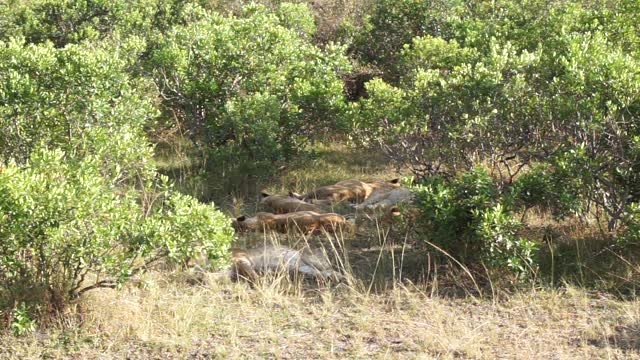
(252, 87)
(513, 84)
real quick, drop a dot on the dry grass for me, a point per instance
(167, 316)
(581, 252)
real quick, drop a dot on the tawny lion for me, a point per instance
(303, 221)
(283, 204)
(347, 190)
(251, 264)
(384, 199)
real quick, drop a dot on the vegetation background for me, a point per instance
(133, 131)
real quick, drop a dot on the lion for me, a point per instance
(347, 190)
(251, 264)
(283, 204)
(306, 222)
(384, 199)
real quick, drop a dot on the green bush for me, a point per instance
(65, 229)
(444, 112)
(253, 88)
(391, 24)
(528, 24)
(497, 230)
(548, 189)
(297, 17)
(465, 217)
(80, 99)
(22, 322)
(81, 203)
(631, 234)
(64, 22)
(507, 86)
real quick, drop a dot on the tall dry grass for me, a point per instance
(171, 315)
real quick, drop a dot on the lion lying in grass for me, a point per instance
(251, 264)
(305, 222)
(385, 199)
(283, 204)
(347, 190)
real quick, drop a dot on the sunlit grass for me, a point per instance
(166, 315)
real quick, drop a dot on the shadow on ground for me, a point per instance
(626, 337)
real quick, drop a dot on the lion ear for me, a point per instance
(264, 194)
(295, 195)
(241, 218)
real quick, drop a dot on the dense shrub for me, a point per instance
(297, 17)
(65, 22)
(81, 203)
(549, 189)
(500, 89)
(253, 87)
(65, 229)
(391, 24)
(79, 99)
(330, 21)
(465, 216)
(631, 233)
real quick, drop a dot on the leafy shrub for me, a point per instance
(64, 22)
(297, 17)
(81, 203)
(392, 24)
(449, 98)
(465, 217)
(499, 87)
(427, 52)
(253, 88)
(497, 229)
(79, 99)
(631, 234)
(549, 189)
(448, 207)
(22, 322)
(65, 229)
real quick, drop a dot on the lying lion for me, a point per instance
(386, 199)
(283, 204)
(251, 264)
(347, 190)
(304, 221)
